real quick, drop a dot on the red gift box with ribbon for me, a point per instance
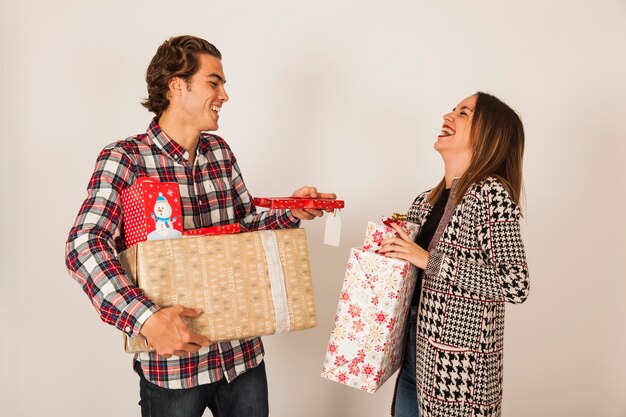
(151, 211)
(224, 229)
(298, 203)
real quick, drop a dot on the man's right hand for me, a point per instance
(168, 333)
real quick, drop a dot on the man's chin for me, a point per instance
(211, 128)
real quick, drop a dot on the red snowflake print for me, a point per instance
(342, 377)
(332, 348)
(349, 267)
(351, 337)
(379, 348)
(360, 356)
(353, 369)
(377, 236)
(392, 322)
(374, 301)
(340, 360)
(378, 375)
(358, 326)
(368, 369)
(381, 317)
(354, 310)
(344, 296)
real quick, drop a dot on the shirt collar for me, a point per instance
(170, 147)
(204, 145)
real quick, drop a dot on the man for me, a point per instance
(187, 373)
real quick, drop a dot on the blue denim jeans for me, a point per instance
(245, 396)
(406, 392)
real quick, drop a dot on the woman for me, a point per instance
(471, 260)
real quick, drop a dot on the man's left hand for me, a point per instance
(308, 214)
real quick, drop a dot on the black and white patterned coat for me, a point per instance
(477, 264)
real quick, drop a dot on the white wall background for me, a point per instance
(348, 96)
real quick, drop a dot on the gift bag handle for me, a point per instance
(145, 179)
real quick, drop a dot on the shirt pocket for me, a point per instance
(215, 200)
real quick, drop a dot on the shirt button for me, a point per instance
(127, 329)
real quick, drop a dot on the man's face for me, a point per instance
(204, 94)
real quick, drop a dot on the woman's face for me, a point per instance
(454, 138)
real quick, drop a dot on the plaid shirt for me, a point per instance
(212, 193)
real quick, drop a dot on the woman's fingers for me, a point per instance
(399, 255)
(390, 241)
(401, 232)
(395, 248)
(396, 241)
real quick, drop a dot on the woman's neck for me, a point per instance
(455, 167)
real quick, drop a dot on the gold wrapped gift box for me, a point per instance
(247, 284)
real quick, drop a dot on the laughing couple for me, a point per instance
(469, 252)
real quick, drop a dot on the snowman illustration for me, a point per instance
(163, 223)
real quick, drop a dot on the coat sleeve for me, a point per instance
(501, 273)
(418, 210)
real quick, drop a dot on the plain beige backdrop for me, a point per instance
(347, 96)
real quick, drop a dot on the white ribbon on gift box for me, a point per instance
(277, 281)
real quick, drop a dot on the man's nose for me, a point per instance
(224, 95)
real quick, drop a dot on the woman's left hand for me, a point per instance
(404, 248)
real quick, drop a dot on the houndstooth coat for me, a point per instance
(477, 263)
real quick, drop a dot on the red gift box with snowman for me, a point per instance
(151, 211)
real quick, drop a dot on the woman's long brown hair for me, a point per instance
(497, 137)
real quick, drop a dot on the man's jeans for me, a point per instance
(406, 394)
(245, 396)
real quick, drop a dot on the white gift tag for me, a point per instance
(333, 229)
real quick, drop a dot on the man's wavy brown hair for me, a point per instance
(176, 57)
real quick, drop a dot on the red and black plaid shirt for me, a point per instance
(212, 193)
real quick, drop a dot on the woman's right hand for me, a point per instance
(405, 248)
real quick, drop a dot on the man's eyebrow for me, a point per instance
(219, 77)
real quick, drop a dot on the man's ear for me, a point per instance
(175, 87)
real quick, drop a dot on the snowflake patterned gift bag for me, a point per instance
(376, 233)
(151, 211)
(366, 344)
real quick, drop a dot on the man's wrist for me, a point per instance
(291, 221)
(135, 315)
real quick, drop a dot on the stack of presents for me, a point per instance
(256, 283)
(366, 344)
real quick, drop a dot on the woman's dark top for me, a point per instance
(426, 235)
